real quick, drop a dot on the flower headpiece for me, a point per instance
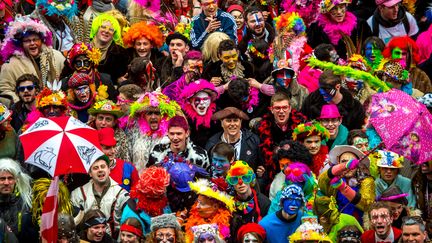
(327, 5)
(252, 50)
(308, 231)
(142, 29)
(99, 20)
(106, 107)
(204, 187)
(184, 29)
(92, 53)
(387, 159)
(166, 106)
(290, 21)
(308, 129)
(48, 97)
(67, 8)
(18, 29)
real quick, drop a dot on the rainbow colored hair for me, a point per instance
(290, 21)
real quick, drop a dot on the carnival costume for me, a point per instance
(310, 231)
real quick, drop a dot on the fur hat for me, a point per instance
(164, 221)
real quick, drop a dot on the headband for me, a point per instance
(95, 221)
(131, 229)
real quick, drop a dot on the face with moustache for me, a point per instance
(7, 183)
(96, 232)
(255, 23)
(27, 92)
(99, 172)
(153, 118)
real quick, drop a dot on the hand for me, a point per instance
(254, 83)
(337, 183)
(352, 164)
(214, 24)
(179, 61)
(260, 171)
(216, 81)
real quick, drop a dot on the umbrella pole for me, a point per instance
(371, 151)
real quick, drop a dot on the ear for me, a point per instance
(187, 48)
(187, 133)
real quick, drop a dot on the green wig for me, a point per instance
(99, 20)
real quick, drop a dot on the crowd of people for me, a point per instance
(221, 120)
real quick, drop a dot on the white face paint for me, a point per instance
(249, 238)
(201, 102)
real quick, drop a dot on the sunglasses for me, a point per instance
(234, 180)
(150, 113)
(23, 88)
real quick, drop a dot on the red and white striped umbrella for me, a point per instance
(61, 145)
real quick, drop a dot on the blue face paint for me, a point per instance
(327, 97)
(292, 204)
(283, 78)
(369, 51)
(220, 165)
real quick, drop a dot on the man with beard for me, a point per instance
(148, 125)
(179, 148)
(192, 69)
(27, 49)
(103, 193)
(390, 19)
(256, 28)
(210, 20)
(280, 225)
(380, 215)
(27, 89)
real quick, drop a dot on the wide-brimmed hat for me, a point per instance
(229, 111)
(5, 113)
(329, 111)
(106, 107)
(387, 159)
(338, 150)
(106, 136)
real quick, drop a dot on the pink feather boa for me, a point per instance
(297, 48)
(309, 13)
(333, 30)
(146, 130)
(253, 100)
(199, 120)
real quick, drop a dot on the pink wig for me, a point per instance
(296, 172)
(193, 55)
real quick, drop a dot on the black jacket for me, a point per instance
(19, 115)
(115, 63)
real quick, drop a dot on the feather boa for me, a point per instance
(146, 130)
(222, 219)
(151, 5)
(252, 101)
(308, 13)
(199, 120)
(333, 30)
(297, 48)
(318, 160)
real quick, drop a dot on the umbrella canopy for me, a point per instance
(404, 125)
(61, 145)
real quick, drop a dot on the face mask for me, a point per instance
(333, 56)
(201, 102)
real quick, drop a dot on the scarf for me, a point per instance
(228, 75)
(45, 69)
(389, 23)
(334, 30)
(103, 48)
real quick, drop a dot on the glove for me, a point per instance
(352, 164)
(337, 183)
(341, 186)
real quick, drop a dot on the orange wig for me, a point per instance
(142, 29)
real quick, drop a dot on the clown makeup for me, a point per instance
(287, 37)
(381, 221)
(292, 204)
(82, 64)
(206, 207)
(327, 92)
(399, 55)
(284, 162)
(82, 93)
(361, 143)
(229, 59)
(284, 77)
(249, 238)
(220, 165)
(165, 235)
(206, 238)
(201, 102)
(255, 22)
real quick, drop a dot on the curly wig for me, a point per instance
(142, 29)
(404, 43)
(294, 151)
(290, 21)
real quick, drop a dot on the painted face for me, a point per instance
(249, 238)
(281, 111)
(238, 17)
(201, 102)
(99, 172)
(255, 23)
(209, 7)
(229, 59)
(82, 93)
(292, 204)
(82, 64)
(105, 33)
(220, 165)
(388, 174)
(381, 221)
(142, 47)
(96, 232)
(399, 55)
(193, 69)
(413, 234)
(206, 207)
(165, 235)
(7, 183)
(177, 136)
(153, 118)
(206, 238)
(27, 92)
(344, 158)
(231, 126)
(128, 237)
(332, 125)
(369, 52)
(32, 45)
(337, 13)
(313, 144)
(328, 92)
(361, 143)
(284, 78)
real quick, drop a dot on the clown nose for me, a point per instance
(240, 182)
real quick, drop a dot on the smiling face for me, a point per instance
(128, 237)
(209, 7)
(99, 172)
(332, 125)
(177, 136)
(109, 151)
(229, 59)
(413, 234)
(397, 209)
(105, 33)
(313, 144)
(201, 102)
(381, 221)
(142, 47)
(27, 92)
(220, 165)
(238, 17)
(281, 111)
(231, 126)
(96, 232)
(337, 13)
(32, 45)
(255, 23)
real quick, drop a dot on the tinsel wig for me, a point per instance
(404, 43)
(290, 21)
(23, 181)
(327, 5)
(304, 130)
(142, 29)
(81, 48)
(66, 8)
(99, 20)
(21, 27)
(40, 190)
